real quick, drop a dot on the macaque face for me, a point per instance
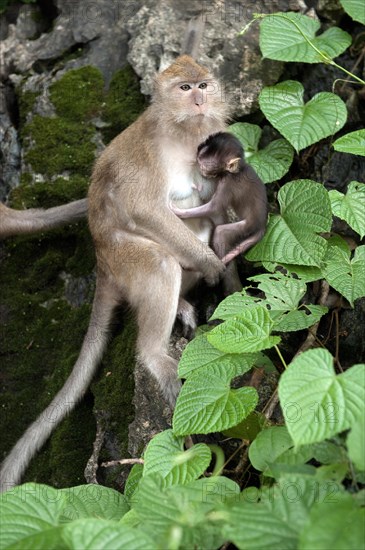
(187, 92)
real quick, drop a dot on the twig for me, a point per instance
(121, 462)
(92, 464)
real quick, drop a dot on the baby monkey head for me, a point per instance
(220, 153)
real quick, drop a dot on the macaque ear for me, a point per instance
(233, 165)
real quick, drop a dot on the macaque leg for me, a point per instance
(224, 235)
(187, 317)
(156, 304)
(205, 210)
(243, 246)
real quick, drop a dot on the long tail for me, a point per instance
(20, 222)
(66, 399)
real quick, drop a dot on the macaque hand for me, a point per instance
(213, 269)
(177, 211)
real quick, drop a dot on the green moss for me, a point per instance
(114, 390)
(59, 145)
(124, 102)
(41, 333)
(26, 100)
(46, 195)
(41, 338)
(78, 94)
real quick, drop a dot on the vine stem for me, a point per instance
(324, 56)
(281, 357)
(219, 459)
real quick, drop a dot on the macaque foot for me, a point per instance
(171, 391)
(187, 317)
(164, 369)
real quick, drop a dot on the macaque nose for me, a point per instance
(198, 97)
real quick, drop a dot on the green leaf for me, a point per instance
(91, 534)
(327, 452)
(336, 523)
(30, 516)
(275, 446)
(353, 143)
(207, 403)
(96, 501)
(356, 444)
(316, 403)
(234, 305)
(355, 8)
(200, 355)
(302, 124)
(273, 161)
(248, 428)
(282, 292)
(270, 163)
(248, 134)
(299, 319)
(248, 332)
(350, 207)
(133, 479)
(343, 274)
(307, 274)
(275, 516)
(165, 455)
(291, 237)
(182, 514)
(285, 36)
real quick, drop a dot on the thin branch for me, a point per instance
(122, 462)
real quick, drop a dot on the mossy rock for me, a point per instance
(59, 145)
(41, 331)
(78, 95)
(124, 102)
(48, 194)
(26, 101)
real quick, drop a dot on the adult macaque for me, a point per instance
(221, 158)
(145, 254)
(21, 222)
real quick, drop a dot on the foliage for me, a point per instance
(311, 467)
(353, 143)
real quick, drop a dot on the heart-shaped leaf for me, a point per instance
(353, 143)
(316, 403)
(350, 207)
(302, 123)
(207, 403)
(30, 517)
(291, 237)
(200, 354)
(286, 37)
(270, 163)
(344, 274)
(246, 333)
(165, 456)
(90, 534)
(355, 8)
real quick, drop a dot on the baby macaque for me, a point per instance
(221, 158)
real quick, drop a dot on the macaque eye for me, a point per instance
(185, 87)
(203, 85)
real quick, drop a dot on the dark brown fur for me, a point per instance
(237, 187)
